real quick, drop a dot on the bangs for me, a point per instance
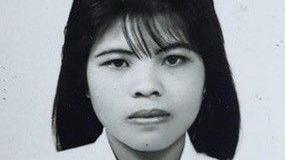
(142, 31)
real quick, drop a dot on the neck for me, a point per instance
(122, 151)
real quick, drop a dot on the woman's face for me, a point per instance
(147, 103)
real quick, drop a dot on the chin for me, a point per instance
(149, 144)
(149, 147)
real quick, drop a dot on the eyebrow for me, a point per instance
(159, 51)
(173, 46)
(121, 51)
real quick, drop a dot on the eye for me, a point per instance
(116, 63)
(174, 60)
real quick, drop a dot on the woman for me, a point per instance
(150, 75)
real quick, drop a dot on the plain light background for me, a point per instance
(31, 37)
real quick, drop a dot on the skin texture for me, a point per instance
(121, 84)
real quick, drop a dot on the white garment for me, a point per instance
(101, 150)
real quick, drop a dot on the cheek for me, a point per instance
(188, 106)
(187, 94)
(103, 89)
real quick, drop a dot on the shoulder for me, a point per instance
(99, 149)
(204, 157)
(190, 153)
(84, 152)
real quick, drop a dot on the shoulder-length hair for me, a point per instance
(215, 131)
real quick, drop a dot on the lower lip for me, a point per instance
(146, 121)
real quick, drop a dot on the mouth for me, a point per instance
(149, 116)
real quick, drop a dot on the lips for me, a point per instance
(153, 113)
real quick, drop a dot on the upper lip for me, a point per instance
(145, 113)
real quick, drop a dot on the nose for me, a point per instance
(147, 85)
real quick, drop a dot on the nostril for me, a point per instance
(156, 93)
(139, 94)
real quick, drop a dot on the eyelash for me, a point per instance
(182, 59)
(111, 63)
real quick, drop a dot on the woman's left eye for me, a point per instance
(174, 60)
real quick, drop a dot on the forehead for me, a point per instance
(142, 34)
(111, 37)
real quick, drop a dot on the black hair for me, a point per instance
(214, 132)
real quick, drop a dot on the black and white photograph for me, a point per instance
(142, 80)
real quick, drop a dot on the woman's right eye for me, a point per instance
(116, 63)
